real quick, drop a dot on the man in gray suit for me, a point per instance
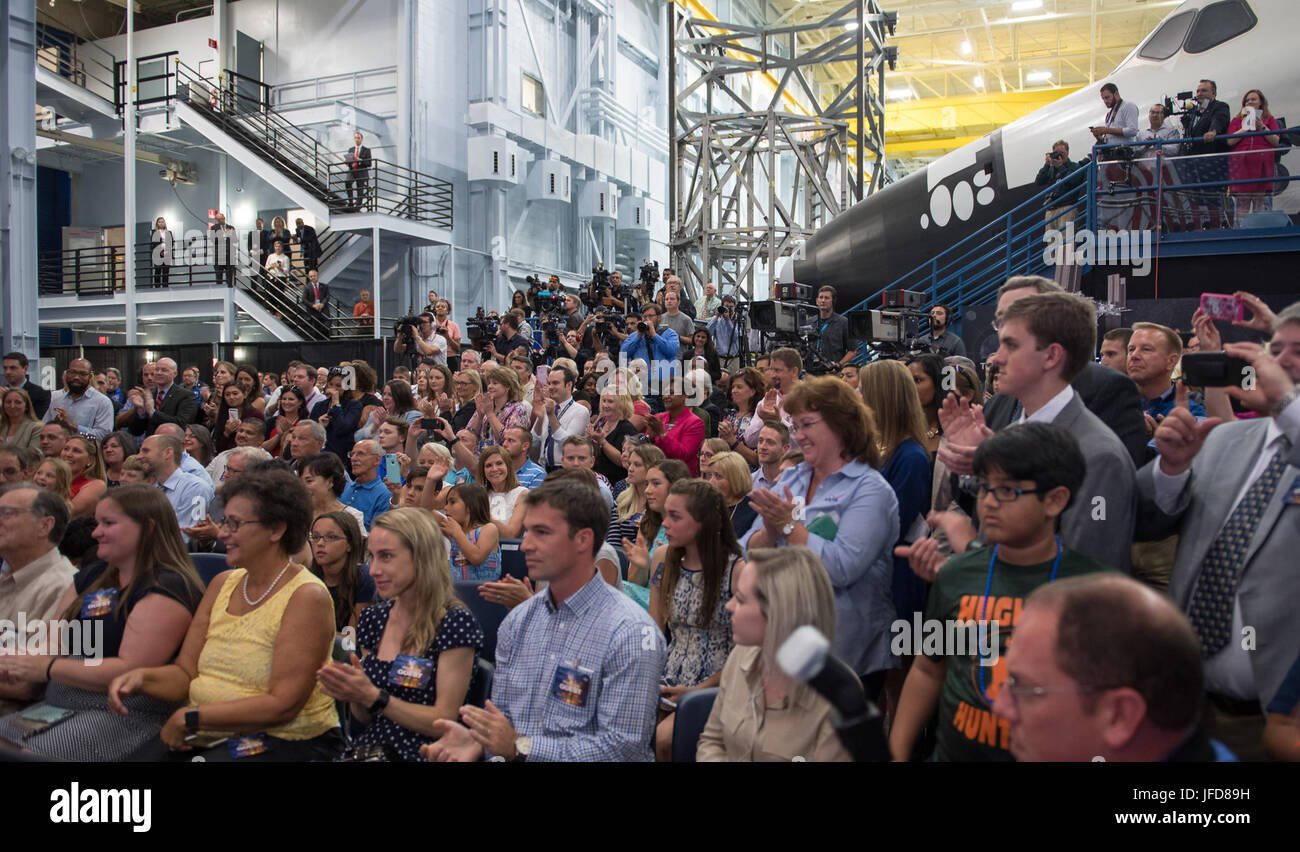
(1045, 341)
(1232, 493)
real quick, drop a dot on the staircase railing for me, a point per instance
(81, 62)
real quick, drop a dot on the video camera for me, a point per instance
(604, 326)
(1179, 104)
(545, 300)
(649, 274)
(407, 327)
(481, 328)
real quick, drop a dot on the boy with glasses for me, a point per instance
(1028, 475)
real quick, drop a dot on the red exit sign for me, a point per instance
(212, 214)
(103, 341)
(212, 43)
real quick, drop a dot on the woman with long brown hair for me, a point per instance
(504, 491)
(223, 373)
(18, 421)
(235, 402)
(337, 549)
(1259, 164)
(116, 448)
(140, 597)
(693, 579)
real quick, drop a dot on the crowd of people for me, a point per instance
(1235, 173)
(679, 513)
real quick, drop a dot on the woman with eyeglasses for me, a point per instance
(18, 421)
(86, 467)
(337, 547)
(836, 503)
(747, 390)
(728, 473)
(116, 449)
(139, 597)
(247, 668)
(234, 410)
(710, 448)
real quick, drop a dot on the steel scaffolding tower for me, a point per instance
(747, 185)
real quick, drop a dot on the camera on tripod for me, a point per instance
(405, 328)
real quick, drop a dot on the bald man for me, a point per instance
(168, 401)
(1104, 668)
(79, 406)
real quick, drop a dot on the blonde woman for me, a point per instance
(85, 463)
(608, 430)
(495, 410)
(18, 421)
(728, 473)
(760, 714)
(417, 645)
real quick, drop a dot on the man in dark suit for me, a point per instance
(15, 367)
(308, 245)
(1232, 493)
(224, 250)
(315, 297)
(168, 401)
(1045, 342)
(358, 174)
(1107, 393)
(1209, 119)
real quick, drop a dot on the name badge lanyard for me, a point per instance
(988, 585)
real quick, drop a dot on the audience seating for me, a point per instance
(692, 714)
(489, 615)
(209, 565)
(512, 558)
(480, 689)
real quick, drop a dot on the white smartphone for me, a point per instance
(232, 413)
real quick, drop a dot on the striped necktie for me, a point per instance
(550, 441)
(1216, 590)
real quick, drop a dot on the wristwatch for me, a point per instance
(788, 528)
(1287, 398)
(380, 703)
(192, 720)
(523, 745)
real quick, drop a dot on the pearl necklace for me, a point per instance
(244, 588)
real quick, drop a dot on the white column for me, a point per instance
(128, 176)
(374, 281)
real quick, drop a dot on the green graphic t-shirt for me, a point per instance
(968, 729)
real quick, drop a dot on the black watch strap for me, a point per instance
(380, 703)
(192, 720)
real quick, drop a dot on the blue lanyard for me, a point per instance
(988, 585)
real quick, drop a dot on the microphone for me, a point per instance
(805, 657)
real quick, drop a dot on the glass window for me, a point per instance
(1165, 42)
(1219, 22)
(534, 96)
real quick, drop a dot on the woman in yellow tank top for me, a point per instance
(248, 664)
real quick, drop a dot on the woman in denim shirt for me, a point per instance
(838, 505)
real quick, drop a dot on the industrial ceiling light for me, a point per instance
(900, 94)
(978, 81)
(967, 48)
(1026, 5)
(1038, 76)
(851, 25)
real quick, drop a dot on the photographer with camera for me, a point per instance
(727, 330)
(509, 339)
(445, 326)
(657, 347)
(1056, 165)
(418, 333)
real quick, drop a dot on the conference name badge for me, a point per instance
(98, 603)
(571, 685)
(410, 672)
(247, 746)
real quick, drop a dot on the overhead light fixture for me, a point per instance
(967, 48)
(978, 82)
(851, 25)
(1026, 5)
(900, 94)
(1038, 76)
